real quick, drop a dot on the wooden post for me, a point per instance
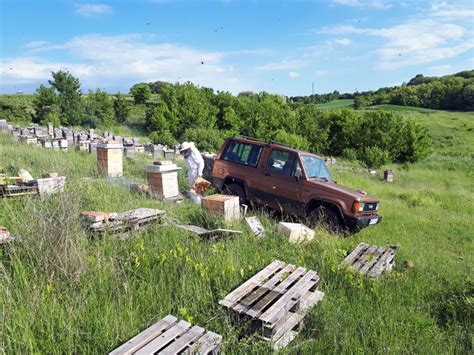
(109, 159)
(163, 181)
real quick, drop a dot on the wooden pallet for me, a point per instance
(171, 336)
(125, 221)
(371, 260)
(276, 299)
(18, 190)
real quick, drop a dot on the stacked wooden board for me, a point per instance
(172, 336)
(371, 260)
(276, 299)
(99, 222)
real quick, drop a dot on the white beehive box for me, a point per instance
(222, 205)
(296, 232)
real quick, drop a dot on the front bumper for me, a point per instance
(357, 223)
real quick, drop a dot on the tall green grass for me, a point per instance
(65, 292)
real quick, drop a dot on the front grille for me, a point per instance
(370, 206)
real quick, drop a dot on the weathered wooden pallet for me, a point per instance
(126, 221)
(208, 233)
(18, 190)
(276, 299)
(171, 336)
(371, 260)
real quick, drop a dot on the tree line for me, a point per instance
(175, 112)
(451, 92)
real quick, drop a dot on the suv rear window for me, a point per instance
(242, 153)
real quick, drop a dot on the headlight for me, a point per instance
(358, 206)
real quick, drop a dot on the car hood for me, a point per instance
(331, 186)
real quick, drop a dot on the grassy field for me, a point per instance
(337, 104)
(64, 292)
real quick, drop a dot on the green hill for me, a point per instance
(336, 104)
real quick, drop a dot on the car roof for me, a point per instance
(274, 145)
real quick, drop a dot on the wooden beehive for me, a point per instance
(163, 181)
(109, 159)
(222, 205)
(388, 175)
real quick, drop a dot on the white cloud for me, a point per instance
(293, 74)
(113, 61)
(92, 9)
(414, 42)
(343, 41)
(36, 44)
(321, 72)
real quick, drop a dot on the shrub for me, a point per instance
(53, 118)
(205, 139)
(293, 140)
(374, 157)
(350, 154)
(164, 137)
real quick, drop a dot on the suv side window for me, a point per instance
(281, 162)
(242, 153)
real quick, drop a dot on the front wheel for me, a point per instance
(326, 217)
(236, 190)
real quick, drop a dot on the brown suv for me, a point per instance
(292, 181)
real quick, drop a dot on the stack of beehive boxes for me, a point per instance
(163, 180)
(109, 158)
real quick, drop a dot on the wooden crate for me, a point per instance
(110, 159)
(172, 336)
(276, 299)
(222, 205)
(296, 232)
(163, 181)
(371, 260)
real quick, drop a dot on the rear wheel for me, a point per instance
(236, 190)
(326, 217)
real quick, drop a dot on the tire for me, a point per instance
(236, 190)
(326, 217)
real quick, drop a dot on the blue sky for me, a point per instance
(275, 46)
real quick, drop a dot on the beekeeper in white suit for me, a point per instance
(194, 161)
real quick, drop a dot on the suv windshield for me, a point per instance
(315, 167)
